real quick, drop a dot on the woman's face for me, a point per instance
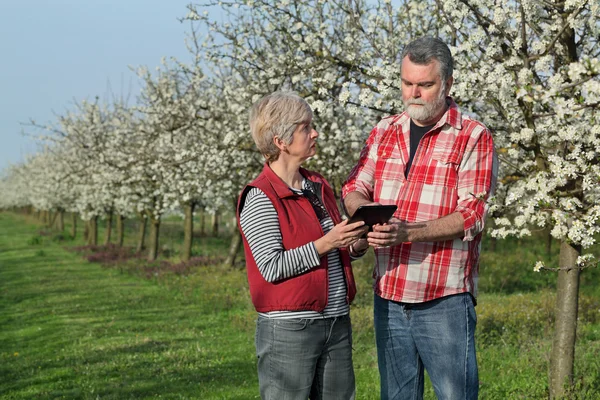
(304, 141)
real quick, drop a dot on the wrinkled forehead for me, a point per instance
(415, 73)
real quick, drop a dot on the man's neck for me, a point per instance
(418, 131)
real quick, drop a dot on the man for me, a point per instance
(439, 167)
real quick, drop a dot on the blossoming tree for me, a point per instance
(529, 69)
(342, 57)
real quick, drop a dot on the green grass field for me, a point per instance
(71, 329)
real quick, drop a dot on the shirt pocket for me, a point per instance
(443, 167)
(389, 174)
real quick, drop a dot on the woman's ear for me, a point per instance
(280, 144)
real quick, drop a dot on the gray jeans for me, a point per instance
(305, 358)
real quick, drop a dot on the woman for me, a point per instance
(297, 260)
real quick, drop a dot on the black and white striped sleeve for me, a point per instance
(260, 226)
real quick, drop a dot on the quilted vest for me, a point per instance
(299, 225)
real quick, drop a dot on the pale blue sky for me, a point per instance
(56, 51)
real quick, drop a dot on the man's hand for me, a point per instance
(390, 234)
(354, 200)
(395, 231)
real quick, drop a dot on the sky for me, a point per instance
(54, 53)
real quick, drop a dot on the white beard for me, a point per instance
(426, 110)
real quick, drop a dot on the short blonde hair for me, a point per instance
(277, 114)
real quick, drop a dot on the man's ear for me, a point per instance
(449, 83)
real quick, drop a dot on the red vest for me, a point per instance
(299, 225)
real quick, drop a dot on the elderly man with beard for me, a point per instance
(439, 167)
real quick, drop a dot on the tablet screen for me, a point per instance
(373, 215)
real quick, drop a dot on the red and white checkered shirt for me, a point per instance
(454, 170)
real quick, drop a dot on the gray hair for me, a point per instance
(277, 114)
(423, 50)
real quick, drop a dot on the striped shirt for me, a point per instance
(454, 170)
(260, 226)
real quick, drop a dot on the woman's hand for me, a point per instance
(359, 248)
(342, 235)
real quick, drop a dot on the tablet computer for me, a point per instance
(373, 215)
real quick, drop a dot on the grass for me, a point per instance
(74, 330)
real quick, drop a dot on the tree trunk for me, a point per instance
(215, 224)
(120, 230)
(73, 225)
(234, 248)
(49, 219)
(93, 231)
(567, 289)
(53, 219)
(86, 232)
(188, 232)
(108, 231)
(493, 244)
(61, 220)
(490, 224)
(153, 247)
(548, 243)
(141, 233)
(202, 221)
(563, 345)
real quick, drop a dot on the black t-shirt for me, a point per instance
(416, 134)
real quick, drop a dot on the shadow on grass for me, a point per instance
(197, 383)
(143, 370)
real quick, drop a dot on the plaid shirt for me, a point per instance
(454, 170)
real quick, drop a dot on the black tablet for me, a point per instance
(373, 215)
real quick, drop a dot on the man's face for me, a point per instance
(423, 91)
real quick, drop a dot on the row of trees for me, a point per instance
(529, 69)
(166, 152)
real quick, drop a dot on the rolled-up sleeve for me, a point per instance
(477, 177)
(362, 176)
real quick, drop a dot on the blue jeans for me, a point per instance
(302, 358)
(437, 335)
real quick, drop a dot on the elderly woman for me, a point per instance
(298, 261)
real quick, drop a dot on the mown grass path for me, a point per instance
(73, 330)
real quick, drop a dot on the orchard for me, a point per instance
(529, 70)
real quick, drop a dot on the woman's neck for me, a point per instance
(288, 172)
